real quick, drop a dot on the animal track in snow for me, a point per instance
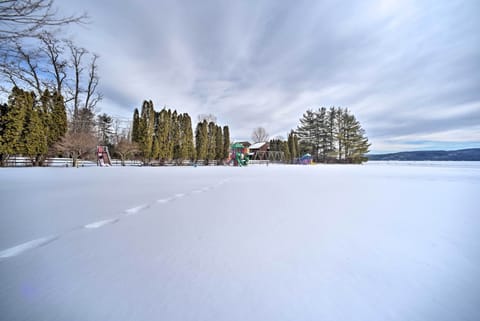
(101, 223)
(135, 210)
(19, 249)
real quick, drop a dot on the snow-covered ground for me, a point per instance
(382, 241)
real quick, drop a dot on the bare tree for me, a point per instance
(125, 148)
(21, 19)
(21, 68)
(54, 50)
(210, 118)
(77, 145)
(55, 64)
(259, 134)
(83, 91)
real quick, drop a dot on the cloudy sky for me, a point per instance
(409, 70)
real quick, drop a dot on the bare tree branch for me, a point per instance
(259, 134)
(28, 18)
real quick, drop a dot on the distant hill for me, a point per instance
(471, 154)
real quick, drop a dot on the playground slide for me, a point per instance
(241, 161)
(103, 156)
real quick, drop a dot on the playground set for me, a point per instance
(239, 155)
(103, 156)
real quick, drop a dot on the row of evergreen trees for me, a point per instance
(211, 142)
(290, 147)
(31, 125)
(163, 135)
(332, 135)
(167, 136)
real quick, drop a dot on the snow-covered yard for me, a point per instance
(382, 241)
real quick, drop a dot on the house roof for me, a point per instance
(257, 145)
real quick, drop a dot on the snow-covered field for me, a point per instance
(382, 241)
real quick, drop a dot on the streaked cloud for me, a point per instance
(407, 69)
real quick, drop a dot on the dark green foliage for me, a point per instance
(332, 135)
(135, 126)
(211, 148)
(146, 130)
(166, 136)
(286, 150)
(226, 141)
(31, 127)
(163, 135)
(104, 123)
(187, 142)
(292, 147)
(201, 140)
(13, 122)
(54, 117)
(33, 136)
(219, 143)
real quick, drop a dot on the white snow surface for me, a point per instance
(382, 241)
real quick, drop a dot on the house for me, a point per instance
(258, 150)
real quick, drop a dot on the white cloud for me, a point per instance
(403, 67)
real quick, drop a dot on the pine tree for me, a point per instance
(105, 129)
(33, 136)
(306, 131)
(188, 137)
(146, 130)
(59, 117)
(174, 146)
(155, 148)
(331, 130)
(136, 126)
(163, 132)
(321, 133)
(292, 146)
(211, 153)
(201, 140)
(218, 143)
(13, 120)
(333, 135)
(286, 151)
(226, 142)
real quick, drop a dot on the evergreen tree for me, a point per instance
(175, 137)
(211, 153)
(105, 131)
(335, 134)
(164, 120)
(54, 117)
(201, 140)
(188, 137)
(33, 137)
(226, 142)
(306, 132)
(219, 143)
(321, 133)
(286, 151)
(146, 130)
(291, 146)
(331, 129)
(155, 148)
(13, 122)
(136, 126)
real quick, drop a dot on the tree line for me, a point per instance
(31, 125)
(289, 147)
(167, 135)
(332, 135)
